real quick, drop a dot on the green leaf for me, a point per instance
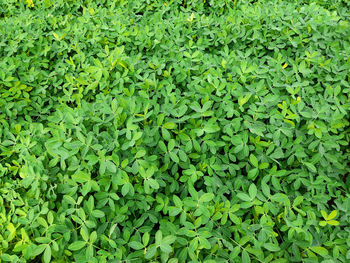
(254, 160)
(77, 245)
(159, 237)
(177, 201)
(93, 237)
(298, 200)
(125, 189)
(245, 257)
(6, 257)
(165, 248)
(174, 211)
(98, 213)
(320, 250)
(169, 239)
(169, 125)
(84, 234)
(311, 167)
(207, 197)
(111, 166)
(38, 250)
(253, 173)
(69, 199)
(244, 197)
(171, 145)
(151, 251)
(47, 254)
(81, 177)
(162, 146)
(252, 191)
(124, 163)
(265, 189)
(211, 128)
(174, 157)
(153, 183)
(136, 245)
(145, 238)
(272, 247)
(140, 154)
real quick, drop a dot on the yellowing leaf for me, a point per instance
(333, 223)
(324, 214)
(121, 63)
(323, 223)
(30, 3)
(18, 128)
(24, 234)
(12, 229)
(332, 215)
(191, 18)
(124, 163)
(243, 100)
(56, 36)
(223, 63)
(290, 122)
(285, 65)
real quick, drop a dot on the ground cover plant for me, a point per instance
(174, 131)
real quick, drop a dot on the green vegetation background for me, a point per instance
(174, 131)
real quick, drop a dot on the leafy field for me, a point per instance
(174, 131)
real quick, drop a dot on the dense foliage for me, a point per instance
(174, 131)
